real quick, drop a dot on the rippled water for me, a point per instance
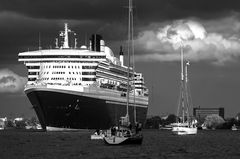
(156, 144)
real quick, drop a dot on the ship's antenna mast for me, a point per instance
(39, 41)
(65, 44)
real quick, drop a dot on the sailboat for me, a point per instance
(185, 126)
(123, 134)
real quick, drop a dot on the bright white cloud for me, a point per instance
(163, 44)
(11, 82)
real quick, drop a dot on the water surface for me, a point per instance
(15, 144)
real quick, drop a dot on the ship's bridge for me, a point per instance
(59, 55)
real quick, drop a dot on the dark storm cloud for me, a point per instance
(23, 20)
(112, 9)
(64, 9)
(158, 10)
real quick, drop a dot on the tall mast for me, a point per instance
(129, 41)
(187, 89)
(182, 88)
(182, 76)
(182, 83)
(133, 68)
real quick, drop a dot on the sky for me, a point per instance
(207, 30)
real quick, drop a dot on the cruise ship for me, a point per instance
(84, 87)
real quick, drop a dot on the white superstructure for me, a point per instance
(70, 66)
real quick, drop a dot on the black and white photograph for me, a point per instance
(132, 79)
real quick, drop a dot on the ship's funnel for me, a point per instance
(95, 44)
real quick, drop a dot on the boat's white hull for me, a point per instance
(120, 140)
(49, 128)
(115, 140)
(97, 137)
(184, 130)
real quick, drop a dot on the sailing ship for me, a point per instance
(123, 134)
(72, 87)
(185, 126)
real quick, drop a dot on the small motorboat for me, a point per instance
(234, 128)
(181, 130)
(98, 135)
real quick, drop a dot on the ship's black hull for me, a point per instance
(64, 110)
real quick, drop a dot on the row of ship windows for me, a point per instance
(73, 79)
(61, 56)
(138, 87)
(83, 67)
(83, 73)
(32, 73)
(139, 79)
(55, 72)
(59, 61)
(33, 67)
(58, 78)
(136, 83)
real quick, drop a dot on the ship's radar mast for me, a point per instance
(67, 39)
(65, 44)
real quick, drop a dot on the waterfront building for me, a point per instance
(201, 113)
